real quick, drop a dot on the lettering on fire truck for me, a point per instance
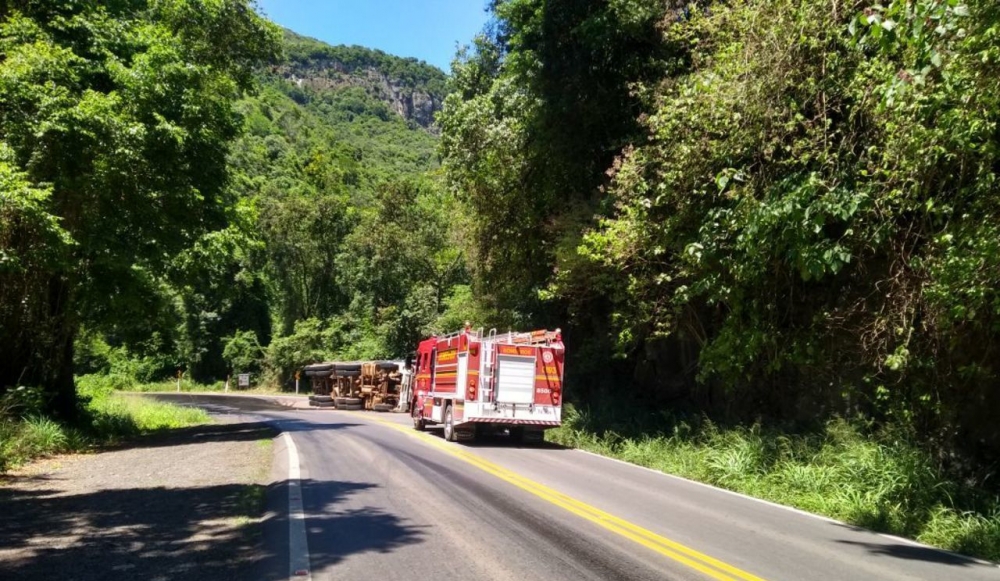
(512, 350)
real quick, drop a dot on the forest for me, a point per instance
(776, 218)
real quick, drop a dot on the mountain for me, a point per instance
(338, 118)
(411, 88)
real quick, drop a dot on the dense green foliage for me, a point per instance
(761, 211)
(336, 242)
(768, 209)
(114, 125)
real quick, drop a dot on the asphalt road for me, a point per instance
(381, 501)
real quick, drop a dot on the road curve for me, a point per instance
(383, 502)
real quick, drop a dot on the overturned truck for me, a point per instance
(357, 385)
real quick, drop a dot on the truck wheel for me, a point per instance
(318, 367)
(418, 419)
(533, 437)
(349, 401)
(382, 407)
(468, 434)
(449, 425)
(340, 401)
(353, 407)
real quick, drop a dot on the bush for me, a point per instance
(106, 416)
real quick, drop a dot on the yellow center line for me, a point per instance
(673, 550)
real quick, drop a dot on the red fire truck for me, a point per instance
(475, 383)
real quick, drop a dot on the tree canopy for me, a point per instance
(752, 208)
(115, 120)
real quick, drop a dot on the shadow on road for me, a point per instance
(912, 552)
(336, 532)
(242, 403)
(179, 533)
(141, 533)
(498, 441)
(238, 432)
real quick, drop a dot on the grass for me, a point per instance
(877, 479)
(106, 417)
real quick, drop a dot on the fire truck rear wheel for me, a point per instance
(449, 425)
(526, 436)
(419, 424)
(468, 434)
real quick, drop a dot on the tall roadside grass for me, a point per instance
(106, 417)
(873, 478)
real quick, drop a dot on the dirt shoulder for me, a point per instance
(187, 504)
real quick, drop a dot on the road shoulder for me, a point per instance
(187, 504)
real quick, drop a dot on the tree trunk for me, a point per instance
(63, 388)
(59, 384)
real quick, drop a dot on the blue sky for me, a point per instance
(425, 29)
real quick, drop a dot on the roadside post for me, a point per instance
(180, 374)
(297, 383)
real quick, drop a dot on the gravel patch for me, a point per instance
(184, 505)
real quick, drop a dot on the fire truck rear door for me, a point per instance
(515, 379)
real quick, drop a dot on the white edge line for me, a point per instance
(910, 542)
(298, 544)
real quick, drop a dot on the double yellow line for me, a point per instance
(696, 560)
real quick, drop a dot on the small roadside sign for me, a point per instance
(243, 380)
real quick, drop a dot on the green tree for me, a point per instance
(243, 352)
(125, 109)
(815, 215)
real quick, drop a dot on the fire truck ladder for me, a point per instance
(489, 367)
(539, 337)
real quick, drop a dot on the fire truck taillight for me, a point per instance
(555, 396)
(472, 389)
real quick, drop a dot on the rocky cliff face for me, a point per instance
(414, 104)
